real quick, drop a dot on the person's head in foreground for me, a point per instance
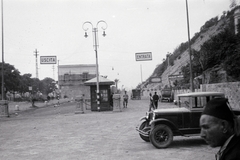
(217, 122)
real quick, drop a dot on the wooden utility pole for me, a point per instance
(3, 88)
(53, 72)
(58, 72)
(36, 62)
(190, 51)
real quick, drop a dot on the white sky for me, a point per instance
(54, 28)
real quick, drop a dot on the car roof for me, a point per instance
(198, 94)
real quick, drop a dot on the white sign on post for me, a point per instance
(144, 56)
(48, 59)
(155, 79)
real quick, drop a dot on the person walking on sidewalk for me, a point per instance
(125, 100)
(155, 99)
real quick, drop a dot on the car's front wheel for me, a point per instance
(161, 136)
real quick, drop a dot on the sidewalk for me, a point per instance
(14, 107)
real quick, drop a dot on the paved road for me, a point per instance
(51, 133)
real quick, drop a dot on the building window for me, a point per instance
(104, 95)
(85, 76)
(66, 77)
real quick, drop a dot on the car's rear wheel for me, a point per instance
(143, 128)
(161, 136)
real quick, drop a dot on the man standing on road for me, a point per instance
(220, 127)
(151, 106)
(111, 100)
(125, 100)
(155, 99)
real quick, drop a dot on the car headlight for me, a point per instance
(153, 117)
(147, 115)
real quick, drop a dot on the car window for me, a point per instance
(184, 102)
(193, 102)
(199, 102)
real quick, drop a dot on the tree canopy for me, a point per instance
(14, 82)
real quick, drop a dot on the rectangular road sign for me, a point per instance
(177, 76)
(155, 79)
(144, 56)
(48, 59)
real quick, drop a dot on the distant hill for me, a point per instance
(212, 50)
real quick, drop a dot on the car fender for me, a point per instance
(166, 122)
(143, 118)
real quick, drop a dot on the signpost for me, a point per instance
(48, 59)
(143, 56)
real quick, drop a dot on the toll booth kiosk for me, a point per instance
(105, 93)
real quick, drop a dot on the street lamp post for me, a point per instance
(190, 52)
(95, 45)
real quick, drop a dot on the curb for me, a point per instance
(16, 107)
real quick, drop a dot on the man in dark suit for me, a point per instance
(220, 128)
(155, 99)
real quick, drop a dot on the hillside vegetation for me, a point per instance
(215, 56)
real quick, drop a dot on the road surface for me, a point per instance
(57, 133)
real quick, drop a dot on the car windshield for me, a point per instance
(184, 102)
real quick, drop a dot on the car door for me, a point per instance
(195, 117)
(196, 111)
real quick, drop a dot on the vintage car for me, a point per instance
(160, 125)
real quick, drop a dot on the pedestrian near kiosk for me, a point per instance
(111, 100)
(155, 99)
(221, 128)
(125, 100)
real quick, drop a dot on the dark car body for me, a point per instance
(167, 95)
(136, 94)
(160, 125)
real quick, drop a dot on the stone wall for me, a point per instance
(230, 89)
(75, 91)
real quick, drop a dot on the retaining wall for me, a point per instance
(230, 89)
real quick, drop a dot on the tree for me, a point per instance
(46, 86)
(12, 78)
(186, 74)
(26, 82)
(35, 85)
(221, 51)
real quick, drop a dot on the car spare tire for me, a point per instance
(161, 136)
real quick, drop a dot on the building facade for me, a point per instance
(71, 79)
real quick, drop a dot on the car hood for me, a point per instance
(171, 110)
